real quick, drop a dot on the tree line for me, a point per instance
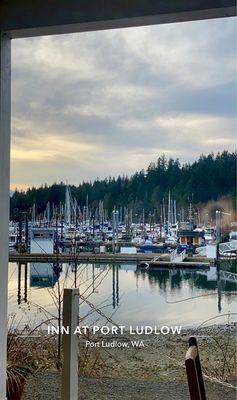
(208, 178)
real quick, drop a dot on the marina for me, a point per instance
(119, 209)
(89, 233)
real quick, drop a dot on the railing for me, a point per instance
(156, 258)
(183, 255)
(228, 247)
(175, 257)
(228, 276)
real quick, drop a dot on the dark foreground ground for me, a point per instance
(155, 371)
(46, 386)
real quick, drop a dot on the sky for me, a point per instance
(99, 104)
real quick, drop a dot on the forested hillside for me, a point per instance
(208, 178)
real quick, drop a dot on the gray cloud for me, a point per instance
(103, 103)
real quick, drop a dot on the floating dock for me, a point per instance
(173, 264)
(80, 257)
(139, 258)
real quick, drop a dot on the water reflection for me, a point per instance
(22, 269)
(209, 279)
(44, 274)
(115, 285)
(137, 295)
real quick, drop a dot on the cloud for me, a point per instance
(106, 103)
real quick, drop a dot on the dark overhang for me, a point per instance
(22, 18)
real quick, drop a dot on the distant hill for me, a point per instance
(208, 178)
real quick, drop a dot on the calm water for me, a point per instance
(129, 295)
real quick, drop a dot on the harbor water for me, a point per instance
(125, 293)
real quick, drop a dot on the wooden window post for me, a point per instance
(5, 118)
(70, 345)
(194, 372)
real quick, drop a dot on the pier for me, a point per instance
(81, 257)
(178, 264)
(163, 260)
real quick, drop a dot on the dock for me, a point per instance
(173, 264)
(80, 257)
(86, 257)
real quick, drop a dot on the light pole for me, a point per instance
(218, 230)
